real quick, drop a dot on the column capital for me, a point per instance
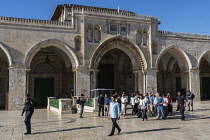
(151, 70)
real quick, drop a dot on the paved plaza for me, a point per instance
(47, 125)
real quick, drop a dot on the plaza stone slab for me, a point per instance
(48, 125)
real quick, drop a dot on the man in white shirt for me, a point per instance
(143, 106)
(124, 101)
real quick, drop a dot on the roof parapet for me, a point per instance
(168, 33)
(47, 23)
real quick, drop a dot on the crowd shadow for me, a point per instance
(151, 130)
(63, 130)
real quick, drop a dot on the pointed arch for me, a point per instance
(62, 48)
(122, 43)
(6, 53)
(202, 56)
(178, 54)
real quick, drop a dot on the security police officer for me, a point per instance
(181, 101)
(29, 110)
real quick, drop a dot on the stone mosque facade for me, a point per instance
(83, 48)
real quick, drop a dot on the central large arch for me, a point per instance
(130, 55)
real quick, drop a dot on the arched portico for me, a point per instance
(173, 71)
(118, 52)
(51, 64)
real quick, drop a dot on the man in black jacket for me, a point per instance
(82, 104)
(28, 110)
(101, 104)
(181, 101)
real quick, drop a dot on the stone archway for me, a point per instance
(129, 51)
(5, 63)
(51, 73)
(204, 70)
(173, 71)
(62, 48)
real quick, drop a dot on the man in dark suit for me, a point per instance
(181, 101)
(28, 110)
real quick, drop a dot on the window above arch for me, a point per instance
(97, 33)
(113, 28)
(89, 33)
(77, 43)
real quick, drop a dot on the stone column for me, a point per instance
(194, 83)
(184, 80)
(138, 81)
(151, 80)
(94, 78)
(17, 88)
(82, 82)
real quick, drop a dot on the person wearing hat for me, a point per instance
(190, 97)
(82, 102)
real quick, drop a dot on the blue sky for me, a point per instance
(190, 16)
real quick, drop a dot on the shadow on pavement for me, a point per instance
(152, 130)
(67, 130)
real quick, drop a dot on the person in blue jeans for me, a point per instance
(160, 103)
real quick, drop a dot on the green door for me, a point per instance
(43, 88)
(206, 88)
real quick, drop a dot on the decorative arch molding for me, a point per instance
(202, 56)
(7, 54)
(62, 47)
(123, 44)
(178, 54)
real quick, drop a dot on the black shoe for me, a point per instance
(189, 110)
(110, 134)
(27, 133)
(119, 131)
(81, 117)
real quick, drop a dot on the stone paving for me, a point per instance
(47, 125)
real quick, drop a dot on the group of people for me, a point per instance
(143, 106)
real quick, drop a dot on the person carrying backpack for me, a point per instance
(81, 101)
(190, 97)
(101, 104)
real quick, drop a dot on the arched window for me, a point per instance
(77, 43)
(154, 48)
(145, 37)
(97, 33)
(90, 33)
(139, 37)
(177, 69)
(113, 28)
(123, 28)
(44, 68)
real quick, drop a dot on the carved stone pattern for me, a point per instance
(205, 69)
(44, 68)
